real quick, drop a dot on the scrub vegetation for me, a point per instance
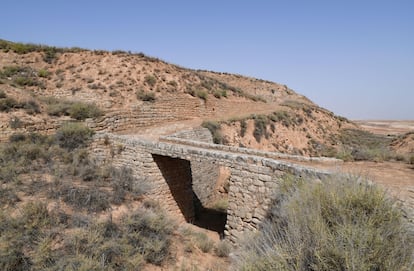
(342, 223)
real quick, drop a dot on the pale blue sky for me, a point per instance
(354, 57)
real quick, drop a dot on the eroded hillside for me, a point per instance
(40, 84)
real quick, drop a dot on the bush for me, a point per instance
(260, 123)
(283, 117)
(10, 71)
(220, 93)
(7, 104)
(150, 233)
(84, 198)
(82, 111)
(43, 73)
(57, 107)
(73, 135)
(145, 96)
(15, 123)
(214, 128)
(411, 160)
(49, 54)
(8, 197)
(243, 127)
(201, 94)
(35, 217)
(142, 236)
(150, 80)
(203, 242)
(2, 94)
(76, 110)
(223, 249)
(123, 181)
(31, 107)
(342, 223)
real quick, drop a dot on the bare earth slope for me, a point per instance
(136, 91)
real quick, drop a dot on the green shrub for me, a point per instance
(2, 94)
(21, 76)
(411, 160)
(220, 93)
(8, 103)
(15, 123)
(150, 233)
(43, 73)
(123, 182)
(223, 249)
(203, 242)
(35, 217)
(342, 223)
(56, 107)
(76, 110)
(243, 127)
(84, 198)
(201, 94)
(11, 255)
(18, 156)
(142, 236)
(9, 71)
(8, 197)
(82, 111)
(31, 107)
(49, 54)
(20, 48)
(260, 130)
(73, 135)
(150, 80)
(145, 96)
(214, 128)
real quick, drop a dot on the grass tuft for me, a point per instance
(73, 135)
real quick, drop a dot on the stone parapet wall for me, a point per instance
(198, 134)
(193, 141)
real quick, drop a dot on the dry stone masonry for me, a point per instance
(169, 169)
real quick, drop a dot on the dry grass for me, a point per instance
(359, 145)
(343, 223)
(36, 237)
(214, 128)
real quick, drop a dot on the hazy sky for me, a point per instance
(354, 57)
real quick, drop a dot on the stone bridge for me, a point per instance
(180, 169)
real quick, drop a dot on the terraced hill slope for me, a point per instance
(40, 85)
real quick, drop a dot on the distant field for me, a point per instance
(387, 127)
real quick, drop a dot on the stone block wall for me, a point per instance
(152, 168)
(177, 173)
(205, 174)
